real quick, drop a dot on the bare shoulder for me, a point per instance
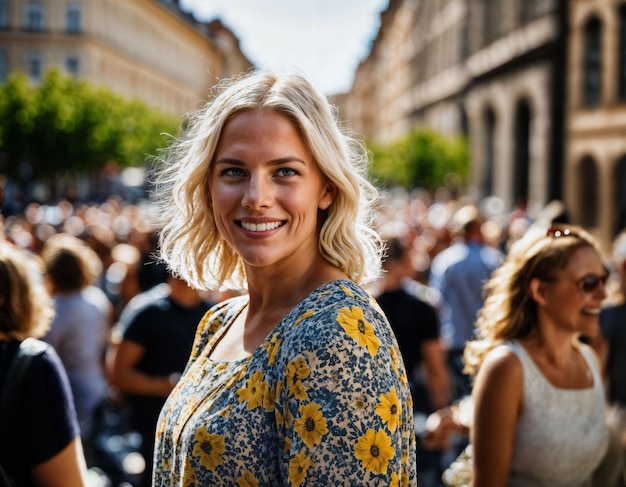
(501, 370)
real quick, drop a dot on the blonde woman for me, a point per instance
(299, 380)
(538, 393)
(42, 444)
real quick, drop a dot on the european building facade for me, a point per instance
(538, 86)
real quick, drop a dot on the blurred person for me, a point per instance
(298, 381)
(538, 396)
(611, 344)
(153, 341)
(416, 327)
(42, 446)
(80, 330)
(459, 274)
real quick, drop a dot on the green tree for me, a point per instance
(70, 126)
(423, 158)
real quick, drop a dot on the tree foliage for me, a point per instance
(423, 158)
(70, 126)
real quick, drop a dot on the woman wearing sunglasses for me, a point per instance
(538, 393)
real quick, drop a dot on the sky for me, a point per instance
(325, 39)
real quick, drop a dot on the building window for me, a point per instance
(4, 14)
(622, 53)
(34, 66)
(3, 67)
(522, 152)
(588, 191)
(491, 19)
(490, 128)
(34, 16)
(72, 65)
(73, 18)
(620, 195)
(592, 63)
(527, 11)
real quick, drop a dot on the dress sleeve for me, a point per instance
(344, 409)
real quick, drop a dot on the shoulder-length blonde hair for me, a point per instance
(25, 306)
(509, 311)
(189, 241)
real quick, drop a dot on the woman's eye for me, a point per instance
(286, 171)
(232, 172)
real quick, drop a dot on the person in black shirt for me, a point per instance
(416, 326)
(157, 329)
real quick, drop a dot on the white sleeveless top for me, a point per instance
(561, 436)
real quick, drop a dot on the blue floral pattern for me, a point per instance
(323, 401)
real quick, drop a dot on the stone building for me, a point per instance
(145, 49)
(538, 86)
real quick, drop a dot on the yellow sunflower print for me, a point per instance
(374, 450)
(311, 425)
(253, 392)
(389, 409)
(209, 448)
(357, 327)
(297, 370)
(189, 475)
(298, 467)
(307, 314)
(247, 480)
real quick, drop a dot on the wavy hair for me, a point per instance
(189, 241)
(509, 311)
(26, 308)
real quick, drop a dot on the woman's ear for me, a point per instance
(328, 196)
(536, 289)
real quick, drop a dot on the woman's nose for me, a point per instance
(258, 193)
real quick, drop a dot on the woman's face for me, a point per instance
(267, 190)
(574, 295)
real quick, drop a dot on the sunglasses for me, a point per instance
(587, 284)
(590, 282)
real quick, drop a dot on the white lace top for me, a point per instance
(561, 435)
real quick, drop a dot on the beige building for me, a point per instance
(538, 86)
(144, 49)
(595, 158)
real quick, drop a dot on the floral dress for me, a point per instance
(323, 401)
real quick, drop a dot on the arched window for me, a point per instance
(592, 63)
(35, 66)
(3, 67)
(588, 192)
(491, 19)
(34, 16)
(621, 72)
(73, 18)
(522, 152)
(620, 195)
(4, 14)
(489, 151)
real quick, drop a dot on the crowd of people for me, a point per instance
(354, 335)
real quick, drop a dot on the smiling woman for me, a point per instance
(299, 380)
(538, 392)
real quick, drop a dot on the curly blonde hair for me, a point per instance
(189, 241)
(509, 311)
(26, 308)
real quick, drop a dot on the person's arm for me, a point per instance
(65, 469)
(129, 379)
(437, 378)
(497, 397)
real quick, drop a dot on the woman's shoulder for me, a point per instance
(504, 362)
(333, 312)
(333, 299)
